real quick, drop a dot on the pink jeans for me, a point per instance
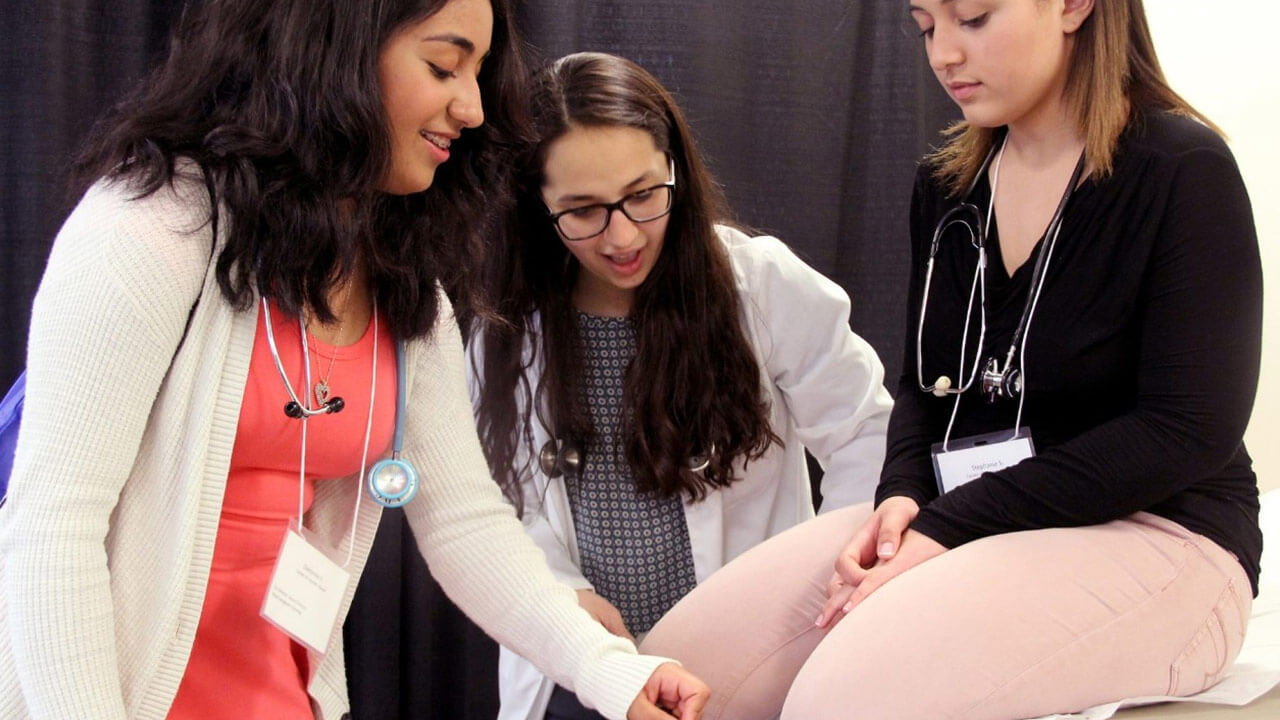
(1010, 626)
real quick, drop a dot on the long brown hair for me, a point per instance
(1113, 77)
(694, 383)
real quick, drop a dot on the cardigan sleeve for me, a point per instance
(830, 378)
(109, 314)
(478, 550)
(1197, 370)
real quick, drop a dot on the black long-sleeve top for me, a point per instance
(1142, 356)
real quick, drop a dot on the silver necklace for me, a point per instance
(322, 389)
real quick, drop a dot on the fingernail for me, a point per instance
(848, 607)
(886, 550)
(818, 621)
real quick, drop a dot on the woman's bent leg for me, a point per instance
(1032, 623)
(749, 627)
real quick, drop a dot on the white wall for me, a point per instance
(1221, 56)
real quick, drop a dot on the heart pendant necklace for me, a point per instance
(322, 390)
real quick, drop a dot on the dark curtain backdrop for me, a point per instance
(812, 115)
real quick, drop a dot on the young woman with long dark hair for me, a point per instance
(654, 377)
(245, 312)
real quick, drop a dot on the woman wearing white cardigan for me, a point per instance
(334, 156)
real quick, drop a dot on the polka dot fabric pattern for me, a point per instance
(634, 547)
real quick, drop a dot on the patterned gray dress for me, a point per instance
(634, 548)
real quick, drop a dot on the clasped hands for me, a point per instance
(883, 548)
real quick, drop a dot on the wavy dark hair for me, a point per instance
(279, 104)
(694, 383)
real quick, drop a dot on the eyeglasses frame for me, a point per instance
(554, 217)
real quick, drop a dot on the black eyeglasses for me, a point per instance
(640, 206)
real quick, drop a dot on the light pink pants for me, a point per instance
(1011, 626)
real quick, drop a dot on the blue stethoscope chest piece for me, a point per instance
(392, 482)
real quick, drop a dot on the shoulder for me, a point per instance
(771, 277)
(165, 231)
(928, 195)
(753, 255)
(927, 175)
(440, 350)
(118, 201)
(1171, 133)
(1166, 138)
(149, 252)
(1168, 162)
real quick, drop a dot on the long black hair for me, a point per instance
(278, 103)
(694, 384)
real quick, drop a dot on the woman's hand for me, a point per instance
(875, 543)
(604, 612)
(671, 691)
(916, 548)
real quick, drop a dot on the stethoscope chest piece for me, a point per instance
(998, 384)
(392, 482)
(558, 458)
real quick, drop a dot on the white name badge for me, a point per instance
(305, 592)
(967, 458)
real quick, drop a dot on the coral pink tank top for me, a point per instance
(242, 666)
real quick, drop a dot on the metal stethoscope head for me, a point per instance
(558, 458)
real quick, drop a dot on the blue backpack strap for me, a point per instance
(10, 419)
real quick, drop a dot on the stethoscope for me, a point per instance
(997, 380)
(564, 457)
(391, 482)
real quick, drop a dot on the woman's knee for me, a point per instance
(747, 629)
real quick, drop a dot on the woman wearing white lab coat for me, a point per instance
(617, 231)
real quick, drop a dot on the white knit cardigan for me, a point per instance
(108, 531)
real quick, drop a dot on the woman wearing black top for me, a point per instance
(1083, 236)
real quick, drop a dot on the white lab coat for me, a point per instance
(826, 391)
